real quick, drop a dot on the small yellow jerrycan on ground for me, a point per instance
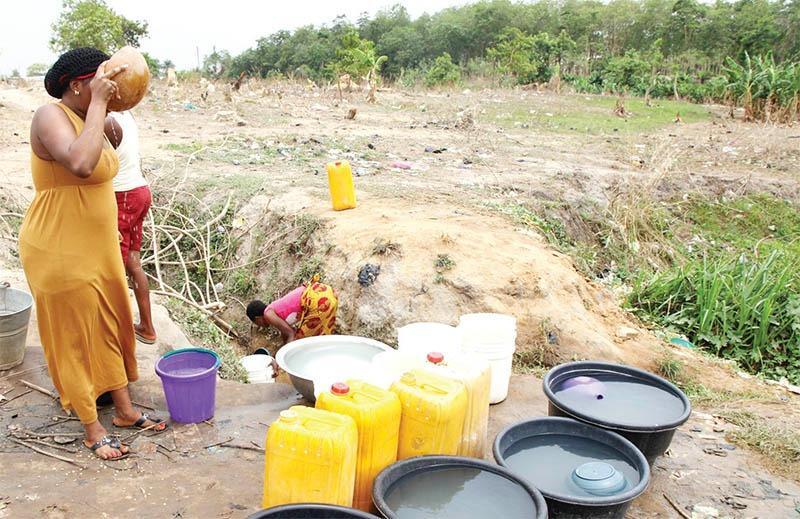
(433, 410)
(310, 458)
(376, 412)
(340, 182)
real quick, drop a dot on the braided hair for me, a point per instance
(79, 63)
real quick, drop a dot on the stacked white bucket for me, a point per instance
(490, 336)
(259, 369)
(493, 337)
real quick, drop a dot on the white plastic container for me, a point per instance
(259, 369)
(421, 338)
(493, 337)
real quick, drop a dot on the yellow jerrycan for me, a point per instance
(376, 412)
(340, 182)
(433, 409)
(310, 458)
(476, 375)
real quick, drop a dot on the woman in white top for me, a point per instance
(133, 202)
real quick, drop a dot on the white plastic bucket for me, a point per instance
(493, 337)
(419, 339)
(259, 369)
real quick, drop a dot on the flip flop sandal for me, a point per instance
(144, 340)
(139, 424)
(114, 443)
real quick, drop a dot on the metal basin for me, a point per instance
(327, 359)
(15, 312)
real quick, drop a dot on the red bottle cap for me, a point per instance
(340, 388)
(435, 357)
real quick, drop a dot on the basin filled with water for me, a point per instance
(449, 487)
(582, 470)
(311, 511)
(640, 406)
(318, 362)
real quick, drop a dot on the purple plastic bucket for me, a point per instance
(189, 377)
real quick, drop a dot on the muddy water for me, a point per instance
(458, 493)
(622, 401)
(547, 462)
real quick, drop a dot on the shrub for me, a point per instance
(443, 72)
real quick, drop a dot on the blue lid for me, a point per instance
(599, 478)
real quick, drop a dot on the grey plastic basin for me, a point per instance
(568, 506)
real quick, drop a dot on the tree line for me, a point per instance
(742, 52)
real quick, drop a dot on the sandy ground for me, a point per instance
(442, 205)
(176, 474)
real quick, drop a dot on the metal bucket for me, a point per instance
(15, 313)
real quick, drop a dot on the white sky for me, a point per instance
(178, 27)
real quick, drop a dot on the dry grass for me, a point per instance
(779, 444)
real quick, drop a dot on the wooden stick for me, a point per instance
(22, 372)
(140, 431)
(57, 447)
(50, 435)
(218, 444)
(50, 454)
(15, 397)
(243, 447)
(142, 405)
(40, 389)
(676, 507)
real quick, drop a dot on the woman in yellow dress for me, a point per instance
(69, 249)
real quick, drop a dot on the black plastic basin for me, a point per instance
(640, 406)
(489, 490)
(311, 511)
(555, 445)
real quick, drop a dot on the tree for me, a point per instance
(37, 69)
(91, 23)
(525, 57)
(153, 64)
(358, 58)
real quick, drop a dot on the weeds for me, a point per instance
(674, 370)
(386, 248)
(670, 368)
(234, 150)
(444, 263)
(552, 228)
(739, 308)
(779, 444)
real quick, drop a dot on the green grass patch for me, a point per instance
(594, 115)
(204, 333)
(733, 291)
(235, 150)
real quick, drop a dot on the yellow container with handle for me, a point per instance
(310, 458)
(377, 416)
(476, 375)
(340, 182)
(433, 411)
